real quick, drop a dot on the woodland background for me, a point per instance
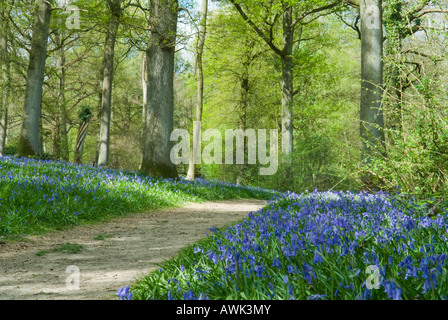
(242, 77)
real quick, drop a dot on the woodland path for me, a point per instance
(131, 247)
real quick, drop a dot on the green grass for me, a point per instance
(42, 196)
(102, 237)
(67, 248)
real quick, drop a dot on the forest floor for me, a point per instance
(114, 254)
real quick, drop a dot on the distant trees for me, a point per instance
(266, 18)
(241, 87)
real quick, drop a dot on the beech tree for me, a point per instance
(5, 80)
(372, 83)
(200, 91)
(30, 133)
(371, 114)
(158, 118)
(108, 73)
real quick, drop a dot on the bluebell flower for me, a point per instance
(318, 257)
(124, 294)
(317, 297)
(276, 263)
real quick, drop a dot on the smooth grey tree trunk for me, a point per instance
(195, 154)
(108, 73)
(158, 120)
(63, 131)
(6, 74)
(60, 135)
(145, 93)
(244, 105)
(287, 82)
(371, 111)
(29, 144)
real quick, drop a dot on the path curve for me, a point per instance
(134, 245)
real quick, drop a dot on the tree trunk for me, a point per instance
(6, 75)
(60, 136)
(195, 154)
(245, 87)
(65, 154)
(108, 72)
(145, 93)
(29, 137)
(371, 114)
(158, 126)
(287, 82)
(81, 138)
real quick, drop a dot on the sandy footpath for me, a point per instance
(131, 246)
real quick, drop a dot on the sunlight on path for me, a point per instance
(130, 247)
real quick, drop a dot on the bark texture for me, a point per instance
(158, 118)
(29, 144)
(5, 78)
(108, 74)
(195, 154)
(371, 113)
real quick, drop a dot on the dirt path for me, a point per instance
(132, 246)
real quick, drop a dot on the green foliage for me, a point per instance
(102, 237)
(417, 160)
(67, 248)
(84, 114)
(325, 107)
(415, 157)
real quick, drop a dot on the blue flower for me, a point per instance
(124, 294)
(317, 297)
(276, 263)
(317, 257)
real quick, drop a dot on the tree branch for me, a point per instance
(418, 8)
(429, 11)
(268, 41)
(316, 10)
(353, 3)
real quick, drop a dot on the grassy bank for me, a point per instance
(39, 196)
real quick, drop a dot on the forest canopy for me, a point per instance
(356, 89)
